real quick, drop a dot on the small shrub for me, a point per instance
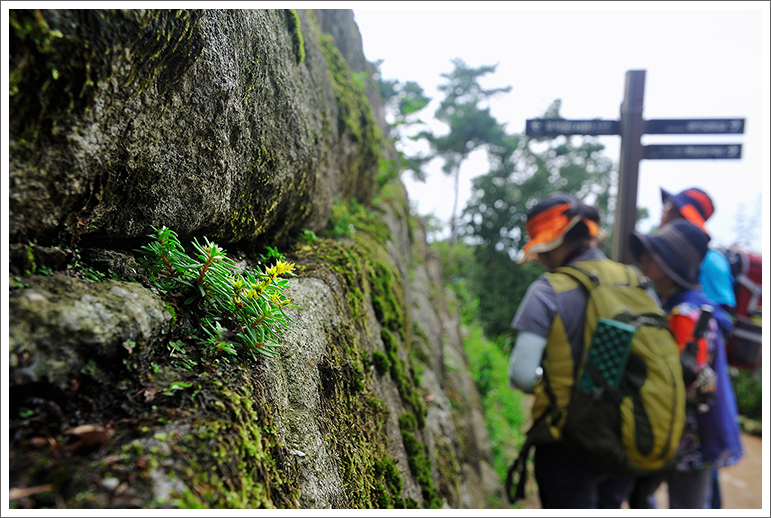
(253, 301)
(307, 237)
(343, 219)
(748, 390)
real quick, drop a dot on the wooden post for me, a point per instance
(632, 128)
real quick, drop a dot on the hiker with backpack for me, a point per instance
(587, 405)
(715, 272)
(715, 276)
(732, 277)
(671, 259)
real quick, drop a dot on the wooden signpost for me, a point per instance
(631, 126)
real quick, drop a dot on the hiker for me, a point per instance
(715, 277)
(671, 259)
(561, 231)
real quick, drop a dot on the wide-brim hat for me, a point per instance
(547, 224)
(678, 247)
(693, 204)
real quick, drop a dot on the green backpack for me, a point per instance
(627, 408)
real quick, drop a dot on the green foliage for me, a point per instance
(387, 171)
(359, 78)
(347, 216)
(252, 301)
(403, 102)
(488, 284)
(271, 255)
(504, 409)
(87, 272)
(343, 218)
(524, 170)
(748, 389)
(471, 126)
(16, 282)
(307, 237)
(500, 284)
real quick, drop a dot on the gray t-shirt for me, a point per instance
(540, 303)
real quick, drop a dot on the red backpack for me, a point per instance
(743, 349)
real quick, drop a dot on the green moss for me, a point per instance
(387, 299)
(421, 468)
(355, 119)
(355, 420)
(250, 77)
(407, 422)
(450, 473)
(381, 362)
(293, 24)
(399, 373)
(238, 461)
(365, 272)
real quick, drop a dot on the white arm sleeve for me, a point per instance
(525, 359)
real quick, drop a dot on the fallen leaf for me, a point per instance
(89, 435)
(84, 429)
(15, 492)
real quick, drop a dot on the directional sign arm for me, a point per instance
(554, 127)
(691, 126)
(692, 151)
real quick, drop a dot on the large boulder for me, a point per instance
(243, 127)
(231, 123)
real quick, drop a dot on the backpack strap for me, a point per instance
(589, 279)
(755, 291)
(537, 434)
(519, 467)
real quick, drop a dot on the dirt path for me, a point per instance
(741, 485)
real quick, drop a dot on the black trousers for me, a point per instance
(564, 483)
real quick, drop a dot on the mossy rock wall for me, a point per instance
(221, 128)
(203, 121)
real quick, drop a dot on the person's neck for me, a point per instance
(666, 289)
(563, 254)
(580, 249)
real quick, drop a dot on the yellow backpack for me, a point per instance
(626, 409)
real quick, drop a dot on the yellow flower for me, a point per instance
(280, 267)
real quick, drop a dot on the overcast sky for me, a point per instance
(702, 60)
